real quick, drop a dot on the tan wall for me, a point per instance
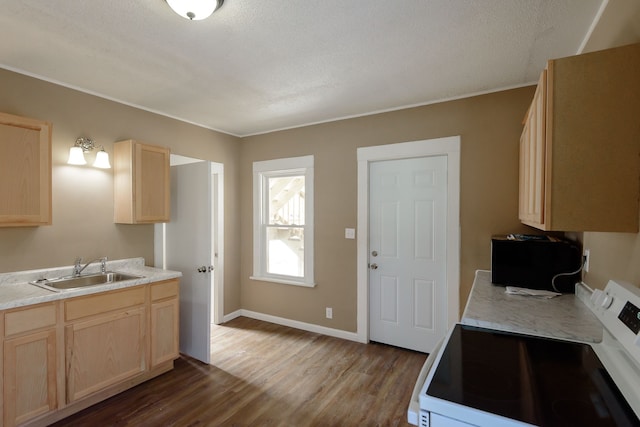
(619, 25)
(83, 196)
(489, 126)
(614, 255)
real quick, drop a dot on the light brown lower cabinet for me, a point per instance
(61, 357)
(29, 377)
(164, 322)
(104, 351)
(29, 374)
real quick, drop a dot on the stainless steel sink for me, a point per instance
(70, 282)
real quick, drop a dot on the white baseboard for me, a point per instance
(227, 317)
(337, 333)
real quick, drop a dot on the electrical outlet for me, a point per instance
(587, 252)
(329, 312)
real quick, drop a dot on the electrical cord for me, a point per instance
(553, 280)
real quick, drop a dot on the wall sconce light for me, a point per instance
(195, 10)
(84, 145)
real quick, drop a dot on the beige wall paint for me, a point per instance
(614, 255)
(489, 126)
(83, 196)
(618, 25)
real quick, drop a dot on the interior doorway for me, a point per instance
(192, 243)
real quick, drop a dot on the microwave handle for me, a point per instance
(414, 405)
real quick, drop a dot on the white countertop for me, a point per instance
(15, 290)
(564, 316)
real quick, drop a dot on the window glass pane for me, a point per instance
(286, 200)
(285, 251)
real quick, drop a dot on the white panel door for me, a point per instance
(407, 252)
(189, 250)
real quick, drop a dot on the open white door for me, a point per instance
(189, 249)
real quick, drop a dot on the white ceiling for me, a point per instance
(256, 66)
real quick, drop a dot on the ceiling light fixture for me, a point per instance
(84, 145)
(195, 10)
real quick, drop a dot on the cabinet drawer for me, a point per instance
(164, 290)
(80, 307)
(29, 319)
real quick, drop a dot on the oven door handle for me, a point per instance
(414, 405)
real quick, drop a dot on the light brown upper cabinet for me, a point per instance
(141, 183)
(532, 160)
(25, 171)
(580, 146)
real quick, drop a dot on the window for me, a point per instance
(283, 221)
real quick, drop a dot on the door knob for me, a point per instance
(374, 253)
(374, 266)
(202, 269)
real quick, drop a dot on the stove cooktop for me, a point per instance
(540, 381)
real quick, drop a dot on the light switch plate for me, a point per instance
(349, 233)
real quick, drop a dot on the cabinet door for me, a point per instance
(141, 183)
(533, 160)
(152, 203)
(104, 351)
(25, 171)
(29, 376)
(164, 331)
(164, 322)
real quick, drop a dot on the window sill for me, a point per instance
(283, 281)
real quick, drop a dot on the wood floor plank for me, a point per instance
(262, 374)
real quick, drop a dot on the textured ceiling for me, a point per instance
(255, 65)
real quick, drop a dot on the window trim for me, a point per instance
(303, 165)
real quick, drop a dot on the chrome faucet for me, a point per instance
(77, 269)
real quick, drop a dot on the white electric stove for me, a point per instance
(486, 377)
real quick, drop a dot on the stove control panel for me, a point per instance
(617, 307)
(630, 316)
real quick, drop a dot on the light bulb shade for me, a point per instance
(102, 160)
(76, 157)
(195, 10)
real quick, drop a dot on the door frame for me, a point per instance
(217, 187)
(217, 209)
(447, 146)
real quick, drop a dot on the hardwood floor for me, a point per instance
(262, 374)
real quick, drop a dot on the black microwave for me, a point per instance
(536, 262)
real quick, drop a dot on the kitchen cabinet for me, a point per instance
(105, 340)
(579, 150)
(164, 322)
(25, 171)
(141, 183)
(30, 387)
(532, 162)
(63, 356)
